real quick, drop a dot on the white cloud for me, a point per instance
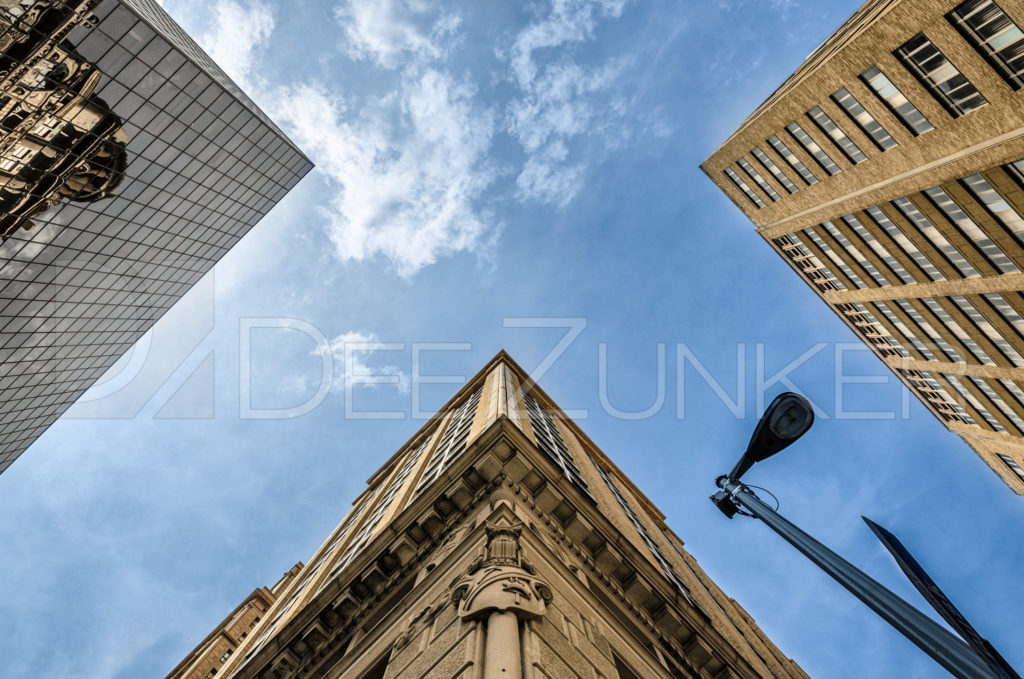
(351, 352)
(238, 32)
(560, 100)
(385, 31)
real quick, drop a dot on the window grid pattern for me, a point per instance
(904, 330)
(836, 134)
(969, 228)
(550, 442)
(834, 256)
(934, 335)
(743, 186)
(774, 169)
(188, 167)
(938, 74)
(812, 147)
(995, 35)
(659, 556)
(936, 395)
(758, 179)
(935, 237)
(874, 333)
(989, 330)
(879, 249)
(808, 263)
(957, 331)
(891, 96)
(907, 245)
(967, 396)
(1014, 390)
(1012, 465)
(373, 520)
(995, 398)
(794, 162)
(996, 204)
(863, 261)
(453, 443)
(1004, 309)
(863, 119)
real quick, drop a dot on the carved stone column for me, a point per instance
(502, 590)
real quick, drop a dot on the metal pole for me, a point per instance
(943, 646)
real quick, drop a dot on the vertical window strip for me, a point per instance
(794, 162)
(957, 331)
(890, 95)
(974, 402)
(1002, 405)
(808, 263)
(863, 261)
(938, 74)
(831, 254)
(988, 330)
(934, 335)
(550, 442)
(879, 249)
(876, 334)
(996, 204)
(994, 34)
(774, 169)
(1013, 466)
(453, 443)
(908, 246)
(758, 179)
(743, 186)
(902, 327)
(970, 229)
(1004, 309)
(1014, 390)
(666, 565)
(937, 395)
(813, 148)
(836, 134)
(1016, 170)
(863, 119)
(935, 237)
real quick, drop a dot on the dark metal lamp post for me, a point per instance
(788, 418)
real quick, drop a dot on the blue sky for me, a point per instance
(490, 175)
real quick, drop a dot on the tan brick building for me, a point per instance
(206, 659)
(888, 170)
(500, 542)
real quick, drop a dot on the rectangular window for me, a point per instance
(758, 179)
(974, 402)
(879, 249)
(905, 330)
(897, 103)
(908, 246)
(864, 262)
(864, 120)
(929, 231)
(996, 204)
(770, 165)
(970, 229)
(957, 330)
(937, 73)
(550, 442)
(1013, 466)
(812, 148)
(933, 334)
(1003, 406)
(836, 134)
(834, 256)
(937, 396)
(743, 186)
(793, 161)
(1004, 309)
(989, 330)
(808, 263)
(995, 35)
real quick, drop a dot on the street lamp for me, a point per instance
(786, 419)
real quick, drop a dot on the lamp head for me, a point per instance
(787, 418)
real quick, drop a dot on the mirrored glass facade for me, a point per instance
(129, 165)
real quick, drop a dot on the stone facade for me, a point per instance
(501, 542)
(888, 171)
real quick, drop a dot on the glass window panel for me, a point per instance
(836, 134)
(905, 243)
(896, 101)
(996, 204)
(793, 161)
(957, 331)
(770, 165)
(975, 403)
(970, 229)
(904, 329)
(758, 179)
(864, 120)
(989, 330)
(834, 256)
(883, 253)
(947, 84)
(812, 148)
(934, 335)
(995, 35)
(743, 186)
(863, 261)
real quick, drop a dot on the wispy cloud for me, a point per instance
(351, 352)
(388, 31)
(559, 99)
